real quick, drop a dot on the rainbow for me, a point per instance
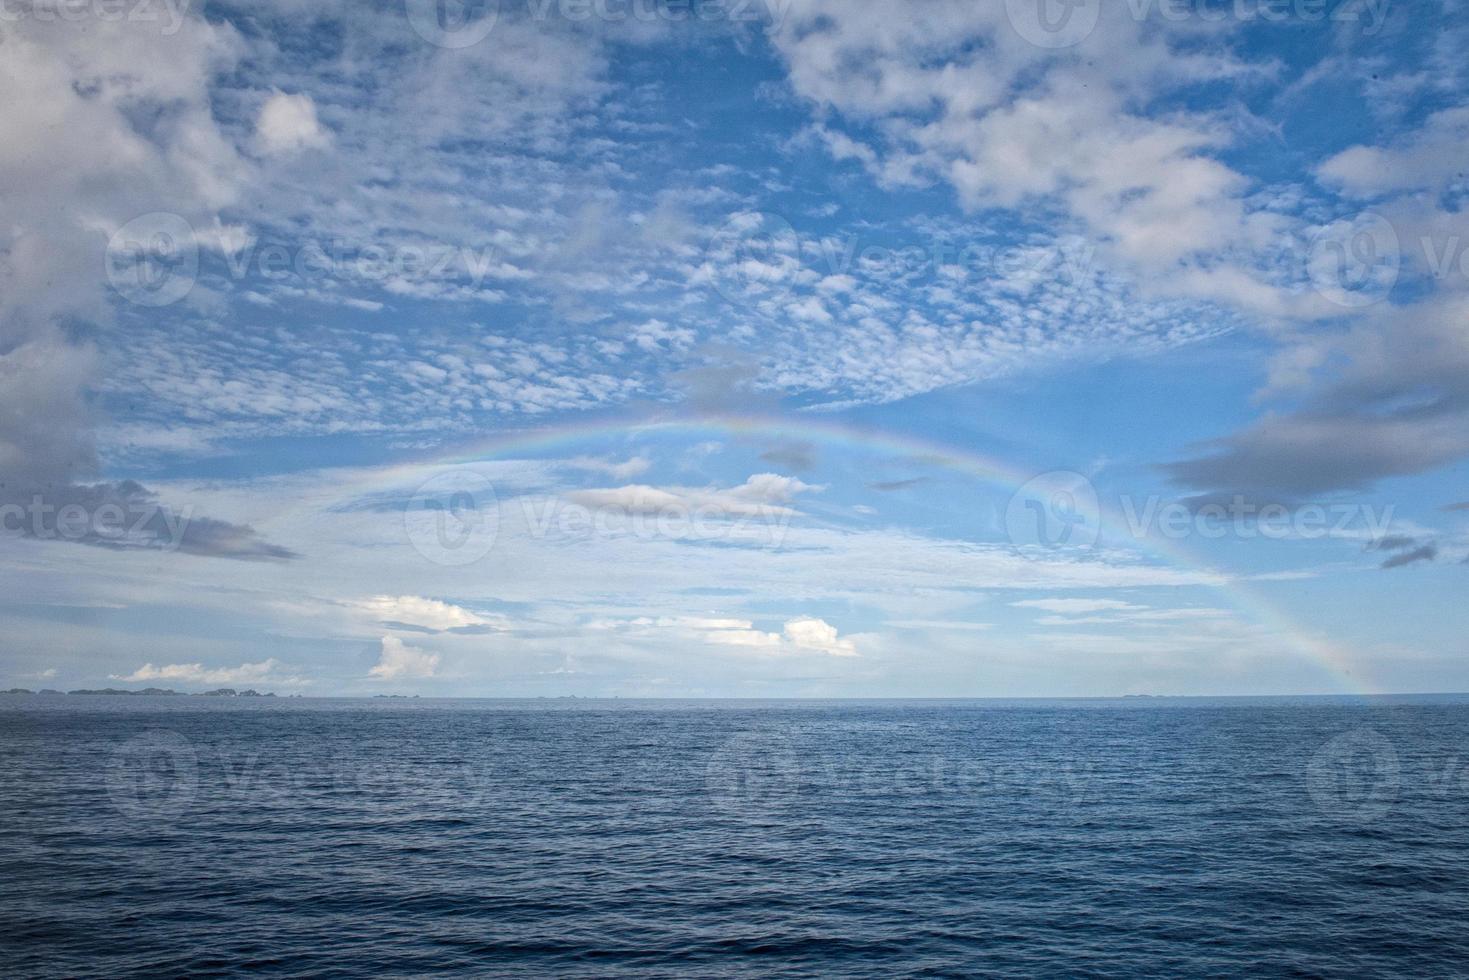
(1338, 662)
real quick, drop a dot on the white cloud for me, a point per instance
(764, 494)
(101, 126)
(1426, 158)
(810, 633)
(413, 610)
(744, 638)
(287, 124)
(269, 671)
(951, 93)
(803, 634)
(79, 160)
(399, 661)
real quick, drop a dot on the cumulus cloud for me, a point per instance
(810, 633)
(80, 160)
(806, 634)
(802, 634)
(269, 671)
(1426, 158)
(425, 613)
(287, 124)
(398, 661)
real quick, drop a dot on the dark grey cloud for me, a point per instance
(1392, 542)
(797, 456)
(723, 381)
(888, 486)
(1462, 505)
(45, 422)
(125, 516)
(1394, 402)
(1427, 552)
(1296, 457)
(221, 539)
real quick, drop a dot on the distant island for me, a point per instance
(223, 692)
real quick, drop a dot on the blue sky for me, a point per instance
(779, 349)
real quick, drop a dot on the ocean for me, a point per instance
(1136, 837)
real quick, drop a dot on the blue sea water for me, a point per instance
(169, 836)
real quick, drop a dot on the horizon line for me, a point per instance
(121, 692)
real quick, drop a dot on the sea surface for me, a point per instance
(1138, 837)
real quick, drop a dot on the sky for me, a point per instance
(734, 348)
